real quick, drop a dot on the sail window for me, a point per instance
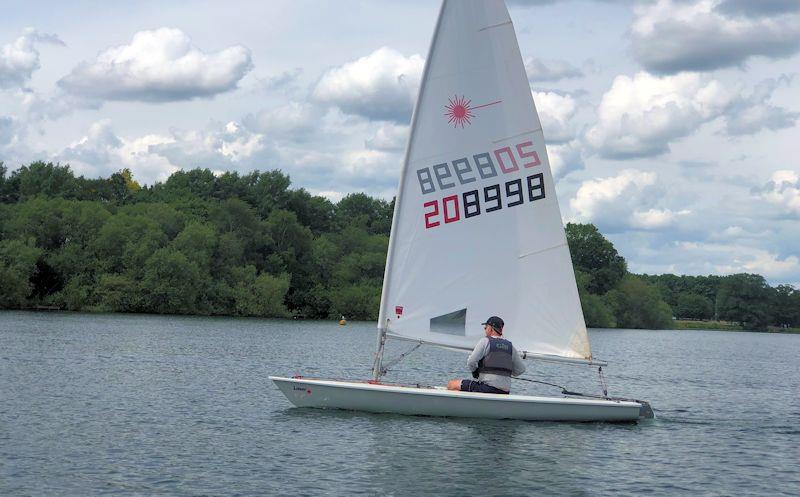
(453, 323)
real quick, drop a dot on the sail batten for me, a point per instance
(477, 229)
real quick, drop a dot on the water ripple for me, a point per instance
(151, 405)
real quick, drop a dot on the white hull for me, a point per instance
(428, 401)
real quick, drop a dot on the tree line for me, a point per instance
(613, 297)
(251, 245)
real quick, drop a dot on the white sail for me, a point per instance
(477, 229)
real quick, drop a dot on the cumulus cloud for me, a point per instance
(556, 113)
(655, 218)
(783, 190)
(59, 104)
(19, 59)
(12, 131)
(758, 8)
(539, 70)
(388, 137)
(627, 201)
(729, 259)
(639, 116)
(229, 146)
(753, 113)
(595, 193)
(98, 147)
(565, 158)
(381, 85)
(158, 66)
(100, 152)
(285, 81)
(670, 36)
(293, 120)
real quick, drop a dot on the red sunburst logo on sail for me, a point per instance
(458, 111)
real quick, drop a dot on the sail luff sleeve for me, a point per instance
(383, 314)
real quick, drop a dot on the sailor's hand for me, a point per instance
(475, 374)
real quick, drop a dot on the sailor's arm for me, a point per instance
(517, 363)
(477, 353)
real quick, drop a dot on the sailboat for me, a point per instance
(477, 231)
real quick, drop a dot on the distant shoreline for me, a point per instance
(680, 324)
(689, 325)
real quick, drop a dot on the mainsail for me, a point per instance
(477, 230)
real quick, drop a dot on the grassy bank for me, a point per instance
(682, 324)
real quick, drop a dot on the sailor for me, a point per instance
(493, 362)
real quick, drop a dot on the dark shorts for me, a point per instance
(477, 386)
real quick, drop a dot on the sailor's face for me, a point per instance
(487, 330)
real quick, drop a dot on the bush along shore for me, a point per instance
(251, 245)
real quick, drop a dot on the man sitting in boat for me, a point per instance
(493, 362)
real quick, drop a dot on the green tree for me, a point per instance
(596, 256)
(118, 293)
(270, 191)
(744, 298)
(198, 243)
(122, 187)
(693, 306)
(171, 283)
(46, 178)
(358, 301)
(785, 304)
(596, 311)
(359, 209)
(260, 295)
(638, 305)
(17, 266)
(125, 242)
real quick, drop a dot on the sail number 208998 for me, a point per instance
(488, 199)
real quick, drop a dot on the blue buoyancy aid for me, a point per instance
(498, 360)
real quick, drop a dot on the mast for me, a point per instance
(383, 319)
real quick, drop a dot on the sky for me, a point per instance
(672, 125)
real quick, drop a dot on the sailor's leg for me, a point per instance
(454, 385)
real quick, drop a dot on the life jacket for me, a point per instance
(498, 360)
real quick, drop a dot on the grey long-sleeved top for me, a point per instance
(495, 380)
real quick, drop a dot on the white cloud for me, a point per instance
(783, 190)
(758, 8)
(628, 201)
(388, 137)
(55, 106)
(381, 85)
(12, 131)
(539, 70)
(730, 259)
(556, 113)
(293, 120)
(639, 116)
(157, 66)
(596, 195)
(97, 148)
(670, 36)
(101, 152)
(18, 60)
(565, 158)
(228, 146)
(753, 113)
(655, 218)
(332, 195)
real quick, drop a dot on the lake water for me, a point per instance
(154, 405)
